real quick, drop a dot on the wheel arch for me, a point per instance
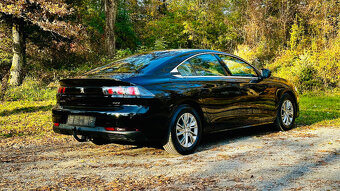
(197, 108)
(294, 96)
(170, 143)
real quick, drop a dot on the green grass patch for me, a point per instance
(322, 109)
(19, 118)
(32, 90)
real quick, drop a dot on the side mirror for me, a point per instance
(266, 73)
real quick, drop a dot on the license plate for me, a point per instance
(81, 120)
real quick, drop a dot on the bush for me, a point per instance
(309, 70)
(32, 90)
(258, 56)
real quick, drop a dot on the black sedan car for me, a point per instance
(173, 97)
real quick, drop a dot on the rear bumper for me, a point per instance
(147, 124)
(102, 134)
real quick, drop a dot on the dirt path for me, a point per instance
(249, 159)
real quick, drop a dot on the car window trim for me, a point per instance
(227, 77)
(177, 73)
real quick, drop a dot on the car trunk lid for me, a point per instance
(83, 93)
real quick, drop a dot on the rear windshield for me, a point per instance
(133, 64)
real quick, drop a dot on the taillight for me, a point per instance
(127, 91)
(61, 90)
(110, 129)
(120, 129)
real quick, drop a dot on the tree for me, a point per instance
(38, 15)
(193, 24)
(110, 7)
(19, 52)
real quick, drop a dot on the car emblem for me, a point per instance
(82, 90)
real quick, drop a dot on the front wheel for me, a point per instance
(285, 119)
(184, 131)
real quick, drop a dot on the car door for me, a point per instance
(210, 84)
(257, 98)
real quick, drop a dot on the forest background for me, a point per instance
(43, 41)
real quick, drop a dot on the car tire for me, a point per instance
(99, 141)
(286, 113)
(185, 131)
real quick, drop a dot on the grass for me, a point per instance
(29, 112)
(320, 109)
(19, 118)
(32, 90)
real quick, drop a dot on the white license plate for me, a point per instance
(81, 120)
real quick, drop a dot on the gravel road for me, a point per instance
(248, 159)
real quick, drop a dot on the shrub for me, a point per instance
(309, 70)
(32, 90)
(257, 56)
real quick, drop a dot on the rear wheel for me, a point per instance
(184, 132)
(285, 119)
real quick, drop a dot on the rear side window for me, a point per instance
(207, 65)
(186, 69)
(201, 65)
(238, 67)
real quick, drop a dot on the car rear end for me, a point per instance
(109, 110)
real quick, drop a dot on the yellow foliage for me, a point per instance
(310, 69)
(245, 52)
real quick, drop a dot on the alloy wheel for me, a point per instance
(186, 130)
(287, 112)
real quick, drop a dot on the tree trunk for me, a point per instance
(163, 7)
(4, 86)
(110, 13)
(19, 53)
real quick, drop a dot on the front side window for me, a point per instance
(238, 67)
(202, 65)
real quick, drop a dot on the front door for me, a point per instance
(217, 93)
(254, 104)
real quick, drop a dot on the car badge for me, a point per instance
(82, 90)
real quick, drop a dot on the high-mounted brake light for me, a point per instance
(127, 91)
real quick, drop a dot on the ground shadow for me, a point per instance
(298, 171)
(213, 140)
(306, 164)
(26, 110)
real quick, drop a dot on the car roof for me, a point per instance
(177, 52)
(171, 58)
(163, 61)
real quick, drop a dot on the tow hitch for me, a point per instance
(82, 138)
